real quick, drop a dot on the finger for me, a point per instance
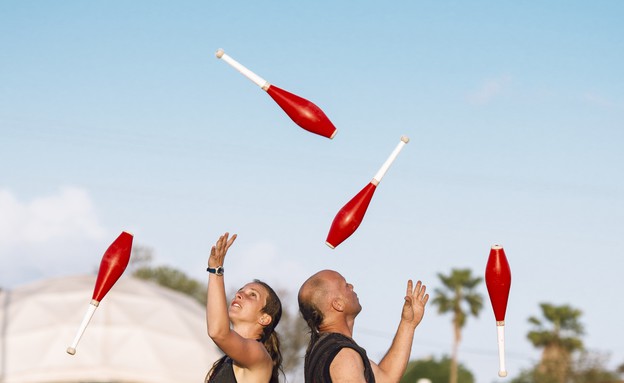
(423, 289)
(425, 299)
(222, 240)
(408, 301)
(230, 242)
(418, 290)
(409, 288)
(212, 251)
(223, 243)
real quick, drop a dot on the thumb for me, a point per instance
(408, 302)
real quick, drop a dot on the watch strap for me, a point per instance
(217, 270)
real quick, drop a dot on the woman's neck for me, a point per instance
(248, 330)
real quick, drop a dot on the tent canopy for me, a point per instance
(140, 333)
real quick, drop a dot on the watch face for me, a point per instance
(219, 270)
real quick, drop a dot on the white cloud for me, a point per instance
(490, 89)
(69, 213)
(48, 236)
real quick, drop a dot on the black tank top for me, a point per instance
(224, 372)
(324, 351)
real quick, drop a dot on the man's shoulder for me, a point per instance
(337, 357)
(330, 343)
(347, 365)
(348, 355)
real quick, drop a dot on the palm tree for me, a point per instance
(459, 291)
(558, 333)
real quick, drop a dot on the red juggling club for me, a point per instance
(303, 112)
(113, 264)
(498, 281)
(350, 216)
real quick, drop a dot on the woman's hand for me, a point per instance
(218, 251)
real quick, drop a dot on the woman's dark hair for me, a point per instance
(272, 308)
(269, 338)
(215, 367)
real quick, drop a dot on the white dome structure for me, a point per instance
(140, 333)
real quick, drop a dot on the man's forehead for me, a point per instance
(332, 280)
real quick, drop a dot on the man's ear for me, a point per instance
(338, 304)
(265, 319)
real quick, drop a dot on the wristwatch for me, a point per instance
(216, 271)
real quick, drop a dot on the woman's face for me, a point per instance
(248, 302)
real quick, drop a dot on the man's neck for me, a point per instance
(341, 327)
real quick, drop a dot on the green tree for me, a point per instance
(141, 256)
(437, 371)
(591, 367)
(166, 276)
(460, 298)
(293, 334)
(564, 360)
(585, 367)
(174, 279)
(558, 333)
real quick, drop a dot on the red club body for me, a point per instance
(350, 216)
(113, 264)
(498, 281)
(303, 112)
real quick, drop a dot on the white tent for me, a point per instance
(140, 333)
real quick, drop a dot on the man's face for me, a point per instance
(345, 291)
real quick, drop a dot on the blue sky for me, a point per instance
(117, 116)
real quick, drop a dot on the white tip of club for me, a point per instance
(405, 139)
(502, 374)
(71, 350)
(220, 53)
(497, 247)
(330, 246)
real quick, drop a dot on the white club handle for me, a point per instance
(71, 350)
(262, 83)
(384, 168)
(500, 335)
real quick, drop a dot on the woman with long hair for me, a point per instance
(244, 330)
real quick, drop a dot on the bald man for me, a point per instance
(329, 305)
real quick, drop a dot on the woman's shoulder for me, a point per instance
(260, 372)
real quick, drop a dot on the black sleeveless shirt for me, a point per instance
(323, 352)
(224, 372)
